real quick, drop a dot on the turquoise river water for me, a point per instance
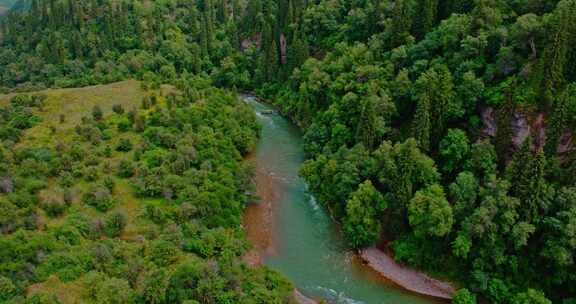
(307, 246)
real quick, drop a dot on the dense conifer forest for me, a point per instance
(443, 129)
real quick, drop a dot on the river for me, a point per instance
(295, 236)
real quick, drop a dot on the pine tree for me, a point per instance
(223, 12)
(554, 59)
(504, 116)
(272, 64)
(401, 22)
(538, 186)
(527, 176)
(366, 131)
(560, 120)
(204, 44)
(427, 16)
(208, 23)
(422, 122)
(297, 52)
(435, 91)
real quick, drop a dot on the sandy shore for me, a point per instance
(405, 277)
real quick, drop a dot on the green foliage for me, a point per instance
(124, 145)
(429, 213)
(454, 150)
(163, 253)
(99, 198)
(54, 208)
(114, 224)
(530, 296)
(7, 289)
(97, 113)
(42, 298)
(464, 296)
(362, 226)
(125, 169)
(102, 289)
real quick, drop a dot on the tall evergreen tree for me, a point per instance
(561, 119)
(527, 176)
(504, 117)
(421, 125)
(427, 17)
(554, 60)
(297, 51)
(435, 92)
(402, 15)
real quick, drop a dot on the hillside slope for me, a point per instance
(120, 193)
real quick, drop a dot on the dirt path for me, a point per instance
(405, 277)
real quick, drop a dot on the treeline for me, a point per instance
(444, 126)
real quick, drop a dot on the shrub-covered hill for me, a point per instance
(120, 194)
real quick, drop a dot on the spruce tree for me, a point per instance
(526, 174)
(427, 16)
(554, 59)
(560, 119)
(401, 22)
(435, 91)
(297, 52)
(272, 62)
(204, 44)
(421, 125)
(504, 117)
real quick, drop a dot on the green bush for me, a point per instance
(124, 145)
(114, 224)
(118, 109)
(126, 169)
(54, 208)
(43, 298)
(99, 198)
(97, 113)
(163, 253)
(7, 289)
(102, 289)
(463, 296)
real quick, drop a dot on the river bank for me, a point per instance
(293, 234)
(407, 278)
(258, 221)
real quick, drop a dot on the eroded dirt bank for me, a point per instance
(259, 222)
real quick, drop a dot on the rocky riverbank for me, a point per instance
(405, 277)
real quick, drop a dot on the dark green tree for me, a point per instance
(362, 225)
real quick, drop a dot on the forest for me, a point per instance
(443, 129)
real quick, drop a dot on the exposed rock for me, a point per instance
(282, 49)
(489, 119)
(524, 125)
(521, 129)
(255, 40)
